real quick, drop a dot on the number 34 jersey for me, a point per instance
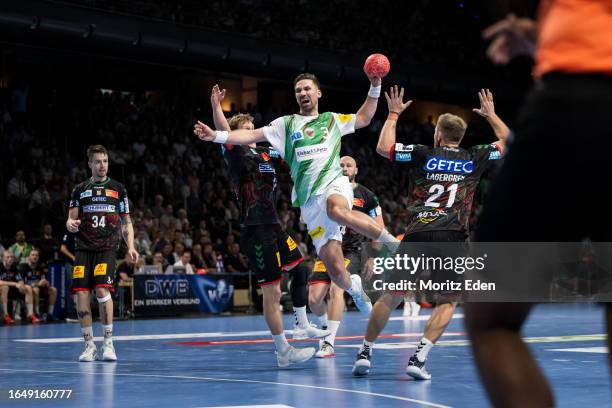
(100, 205)
(442, 182)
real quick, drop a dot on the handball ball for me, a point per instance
(376, 65)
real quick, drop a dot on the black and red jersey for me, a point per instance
(365, 201)
(253, 178)
(442, 182)
(100, 205)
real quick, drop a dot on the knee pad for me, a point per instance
(104, 299)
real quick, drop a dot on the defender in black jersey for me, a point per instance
(99, 214)
(330, 314)
(442, 182)
(269, 248)
(35, 277)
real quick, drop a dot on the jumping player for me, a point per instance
(270, 249)
(310, 144)
(98, 210)
(442, 182)
(320, 284)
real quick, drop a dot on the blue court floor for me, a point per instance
(229, 361)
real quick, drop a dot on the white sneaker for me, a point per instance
(89, 354)
(309, 332)
(326, 350)
(416, 369)
(362, 301)
(294, 355)
(411, 309)
(108, 352)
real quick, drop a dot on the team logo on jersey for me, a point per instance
(358, 202)
(344, 118)
(440, 164)
(403, 157)
(291, 243)
(426, 217)
(310, 133)
(99, 192)
(78, 272)
(99, 208)
(311, 152)
(112, 193)
(98, 199)
(316, 232)
(295, 136)
(85, 194)
(100, 269)
(266, 168)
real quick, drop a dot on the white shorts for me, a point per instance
(314, 212)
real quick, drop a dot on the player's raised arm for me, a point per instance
(364, 115)
(396, 106)
(216, 96)
(236, 137)
(487, 111)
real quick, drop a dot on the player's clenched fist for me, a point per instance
(73, 225)
(204, 132)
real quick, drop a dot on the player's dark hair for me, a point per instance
(452, 127)
(238, 119)
(307, 75)
(91, 150)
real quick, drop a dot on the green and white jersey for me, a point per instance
(311, 147)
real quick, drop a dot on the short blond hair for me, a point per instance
(91, 150)
(452, 127)
(238, 119)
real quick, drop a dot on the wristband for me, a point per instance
(393, 116)
(374, 91)
(221, 136)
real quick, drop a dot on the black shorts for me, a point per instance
(438, 276)
(555, 176)
(15, 294)
(270, 250)
(93, 269)
(352, 261)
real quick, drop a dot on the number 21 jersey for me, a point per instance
(442, 181)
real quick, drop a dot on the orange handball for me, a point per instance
(376, 65)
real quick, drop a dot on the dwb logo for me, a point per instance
(167, 288)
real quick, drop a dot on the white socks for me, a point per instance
(301, 319)
(88, 335)
(323, 321)
(30, 308)
(423, 349)
(332, 326)
(281, 343)
(108, 332)
(367, 345)
(50, 310)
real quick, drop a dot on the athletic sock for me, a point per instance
(88, 335)
(388, 240)
(301, 318)
(423, 349)
(108, 333)
(50, 311)
(30, 308)
(367, 345)
(332, 326)
(4, 309)
(323, 321)
(281, 343)
(36, 310)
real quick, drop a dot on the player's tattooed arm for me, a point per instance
(127, 231)
(396, 105)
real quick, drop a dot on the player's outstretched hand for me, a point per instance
(73, 225)
(204, 132)
(395, 100)
(217, 95)
(487, 108)
(375, 80)
(510, 38)
(133, 254)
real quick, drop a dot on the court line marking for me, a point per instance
(188, 377)
(251, 406)
(603, 350)
(420, 317)
(176, 336)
